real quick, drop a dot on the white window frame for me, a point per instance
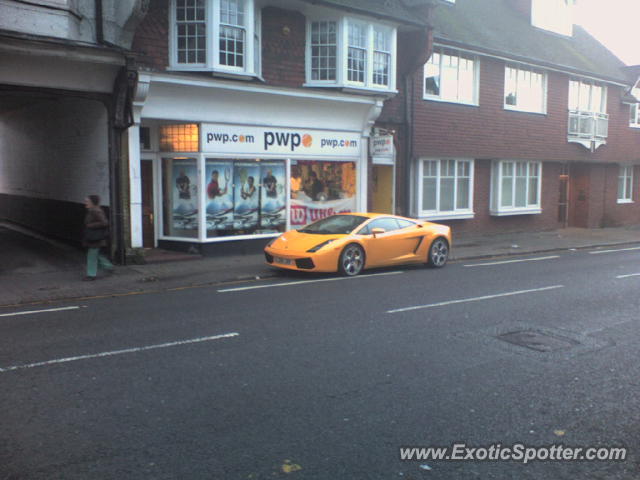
(437, 214)
(459, 55)
(497, 209)
(573, 82)
(342, 54)
(634, 115)
(625, 175)
(527, 70)
(212, 63)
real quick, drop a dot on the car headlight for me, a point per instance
(319, 246)
(271, 242)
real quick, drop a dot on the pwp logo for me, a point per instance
(287, 140)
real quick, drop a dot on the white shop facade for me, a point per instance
(224, 165)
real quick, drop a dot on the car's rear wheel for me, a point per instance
(351, 260)
(438, 253)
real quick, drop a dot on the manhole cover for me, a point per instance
(541, 342)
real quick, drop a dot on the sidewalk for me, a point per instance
(35, 269)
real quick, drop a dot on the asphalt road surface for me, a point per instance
(324, 377)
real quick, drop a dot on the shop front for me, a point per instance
(204, 182)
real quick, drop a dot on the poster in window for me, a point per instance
(219, 195)
(272, 195)
(185, 195)
(246, 179)
(320, 189)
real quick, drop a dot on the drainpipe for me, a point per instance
(425, 40)
(99, 23)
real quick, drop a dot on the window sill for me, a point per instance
(351, 88)
(516, 211)
(237, 75)
(446, 216)
(510, 108)
(634, 125)
(625, 201)
(453, 102)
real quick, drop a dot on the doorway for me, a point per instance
(148, 218)
(579, 184)
(383, 191)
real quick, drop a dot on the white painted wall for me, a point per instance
(55, 149)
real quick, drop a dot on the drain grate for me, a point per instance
(541, 342)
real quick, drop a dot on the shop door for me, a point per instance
(578, 196)
(382, 189)
(148, 228)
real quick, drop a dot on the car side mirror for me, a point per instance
(377, 231)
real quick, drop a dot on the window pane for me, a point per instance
(323, 50)
(232, 43)
(190, 32)
(507, 192)
(574, 95)
(447, 190)
(429, 189)
(462, 194)
(432, 79)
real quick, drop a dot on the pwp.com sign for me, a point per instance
(218, 138)
(517, 452)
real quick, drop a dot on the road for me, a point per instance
(323, 377)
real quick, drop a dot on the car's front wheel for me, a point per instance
(438, 253)
(351, 260)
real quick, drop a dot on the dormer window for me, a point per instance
(214, 35)
(350, 53)
(553, 15)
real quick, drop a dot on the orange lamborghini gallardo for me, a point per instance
(350, 242)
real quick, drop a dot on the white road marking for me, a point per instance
(286, 284)
(118, 352)
(513, 261)
(595, 252)
(475, 299)
(12, 314)
(630, 275)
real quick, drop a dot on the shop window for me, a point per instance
(320, 189)
(515, 187)
(625, 184)
(180, 197)
(179, 138)
(245, 197)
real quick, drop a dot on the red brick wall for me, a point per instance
(616, 214)
(283, 47)
(151, 41)
(490, 131)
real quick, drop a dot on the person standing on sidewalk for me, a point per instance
(96, 231)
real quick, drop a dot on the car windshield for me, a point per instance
(335, 224)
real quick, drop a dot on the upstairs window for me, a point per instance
(351, 53)
(215, 35)
(451, 77)
(634, 115)
(585, 96)
(524, 90)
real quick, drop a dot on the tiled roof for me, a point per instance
(497, 27)
(388, 9)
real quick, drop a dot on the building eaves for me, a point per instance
(394, 10)
(498, 28)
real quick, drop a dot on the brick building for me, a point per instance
(519, 120)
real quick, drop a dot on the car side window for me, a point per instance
(405, 223)
(389, 224)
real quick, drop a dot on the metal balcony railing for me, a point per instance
(591, 129)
